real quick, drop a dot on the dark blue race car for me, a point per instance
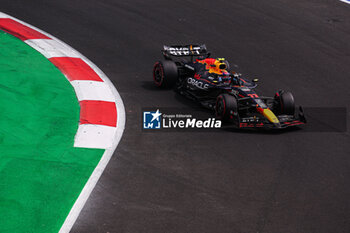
(191, 72)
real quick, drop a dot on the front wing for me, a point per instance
(261, 122)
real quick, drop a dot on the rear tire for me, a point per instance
(165, 74)
(284, 103)
(226, 107)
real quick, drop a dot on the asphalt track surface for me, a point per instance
(296, 181)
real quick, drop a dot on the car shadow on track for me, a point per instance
(263, 131)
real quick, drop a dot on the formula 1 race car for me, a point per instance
(191, 72)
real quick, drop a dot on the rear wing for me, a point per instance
(184, 51)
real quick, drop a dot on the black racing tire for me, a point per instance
(165, 74)
(226, 107)
(284, 103)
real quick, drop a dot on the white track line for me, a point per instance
(57, 48)
(346, 1)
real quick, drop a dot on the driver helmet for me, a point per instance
(220, 64)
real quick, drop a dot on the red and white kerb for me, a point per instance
(98, 103)
(102, 114)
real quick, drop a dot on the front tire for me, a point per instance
(226, 107)
(284, 103)
(165, 74)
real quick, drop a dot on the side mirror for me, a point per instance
(255, 80)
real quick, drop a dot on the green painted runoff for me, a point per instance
(41, 173)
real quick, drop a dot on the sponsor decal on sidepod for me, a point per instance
(197, 83)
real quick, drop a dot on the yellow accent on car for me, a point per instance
(270, 115)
